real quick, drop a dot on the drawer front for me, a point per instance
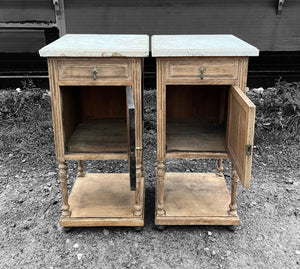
(202, 69)
(94, 70)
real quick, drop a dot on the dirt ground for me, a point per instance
(30, 203)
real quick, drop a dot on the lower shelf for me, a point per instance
(196, 199)
(102, 200)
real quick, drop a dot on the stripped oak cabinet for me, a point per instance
(96, 95)
(202, 113)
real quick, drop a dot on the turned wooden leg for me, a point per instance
(220, 168)
(81, 172)
(234, 180)
(160, 189)
(138, 191)
(64, 189)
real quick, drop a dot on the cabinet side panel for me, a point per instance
(56, 103)
(137, 96)
(242, 73)
(161, 109)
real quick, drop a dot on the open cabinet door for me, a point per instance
(131, 137)
(240, 133)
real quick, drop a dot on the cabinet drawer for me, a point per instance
(202, 69)
(108, 69)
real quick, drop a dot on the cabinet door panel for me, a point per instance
(240, 133)
(131, 137)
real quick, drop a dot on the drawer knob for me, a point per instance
(95, 72)
(202, 71)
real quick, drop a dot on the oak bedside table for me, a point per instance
(96, 95)
(202, 113)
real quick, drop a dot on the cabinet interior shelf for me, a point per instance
(195, 136)
(99, 136)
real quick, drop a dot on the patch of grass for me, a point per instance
(278, 112)
(26, 123)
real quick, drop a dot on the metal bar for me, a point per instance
(59, 8)
(17, 25)
(24, 76)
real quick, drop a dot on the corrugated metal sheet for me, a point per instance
(254, 21)
(27, 11)
(14, 41)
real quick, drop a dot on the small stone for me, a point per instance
(68, 241)
(18, 89)
(209, 233)
(297, 252)
(206, 249)
(25, 226)
(23, 171)
(253, 203)
(13, 225)
(213, 253)
(106, 232)
(45, 231)
(23, 161)
(76, 245)
(10, 155)
(79, 256)
(259, 90)
(227, 253)
(290, 189)
(289, 181)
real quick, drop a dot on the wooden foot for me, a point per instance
(138, 228)
(64, 189)
(81, 172)
(232, 227)
(234, 180)
(219, 168)
(160, 189)
(160, 227)
(138, 192)
(66, 229)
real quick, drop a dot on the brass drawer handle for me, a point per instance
(95, 72)
(202, 71)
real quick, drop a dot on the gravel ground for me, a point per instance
(30, 202)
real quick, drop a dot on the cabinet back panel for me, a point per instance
(103, 102)
(204, 102)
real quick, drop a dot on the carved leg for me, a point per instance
(220, 168)
(64, 189)
(160, 190)
(234, 180)
(81, 173)
(138, 191)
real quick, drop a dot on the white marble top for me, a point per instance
(78, 45)
(200, 45)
